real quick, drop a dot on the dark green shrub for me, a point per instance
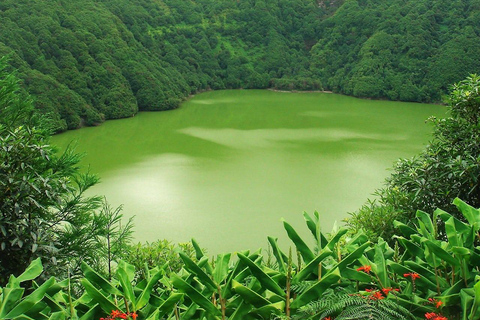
(448, 168)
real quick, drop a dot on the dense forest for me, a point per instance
(86, 61)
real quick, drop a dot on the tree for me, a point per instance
(43, 210)
(448, 168)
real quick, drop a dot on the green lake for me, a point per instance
(226, 166)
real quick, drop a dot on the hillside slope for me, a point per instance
(86, 61)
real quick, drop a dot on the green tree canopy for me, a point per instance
(43, 209)
(448, 168)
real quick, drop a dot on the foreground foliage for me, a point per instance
(43, 208)
(338, 278)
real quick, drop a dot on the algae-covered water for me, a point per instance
(226, 166)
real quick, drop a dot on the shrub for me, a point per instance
(449, 167)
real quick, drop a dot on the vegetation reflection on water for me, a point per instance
(228, 165)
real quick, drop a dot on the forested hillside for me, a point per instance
(400, 50)
(85, 61)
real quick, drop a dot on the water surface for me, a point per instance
(228, 165)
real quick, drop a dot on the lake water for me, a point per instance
(226, 166)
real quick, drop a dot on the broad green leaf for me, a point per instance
(355, 275)
(470, 213)
(404, 229)
(9, 298)
(476, 301)
(57, 287)
(199, 255)
(426, 225)
(52, 304)
(266, 312)
(129, 270)
(388, 252)
(153, 316)
(169, 304)
(462, 252)
(13, 282)
(427, 273)
(264, 278)
(331, 244)
(359, 239)
(89, 315)
(221, 267)
(316, 290)
(381, 268)
(198, 251)
(241, 311)
(455, 289)
(464, 230)
(95, 278)
(33, 271)
(127, 287)
(412, 304)
(311, 267)
(29, 301)
(422, 283)
(350, 258)
(442, 214)
(466, 301)
(190, 312)
(191, 266)
(239, 272)
(412, 248)
(301, 246)
(238, 276)
(249, 295)
(147, 291)
(452, 233)
(450, 300)
(254, 255)
(98, 297)
(57, 316)
(277, 253)
(314, 227)
(36, 309)
(194, 295)
(25, 317)
(441, 253)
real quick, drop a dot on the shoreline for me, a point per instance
(299, 91)
(190, 96)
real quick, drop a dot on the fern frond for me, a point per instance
(301, 287)
(393, 308)
(353, 307)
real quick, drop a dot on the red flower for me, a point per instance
(386, 291)
(365, 269)
(436, 302)
(434, 316)
(377, 295)
(369, 290)
(412, 275)
(327, 318)
(123, 316)
(134, 315)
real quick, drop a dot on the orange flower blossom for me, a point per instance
(365, 269)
